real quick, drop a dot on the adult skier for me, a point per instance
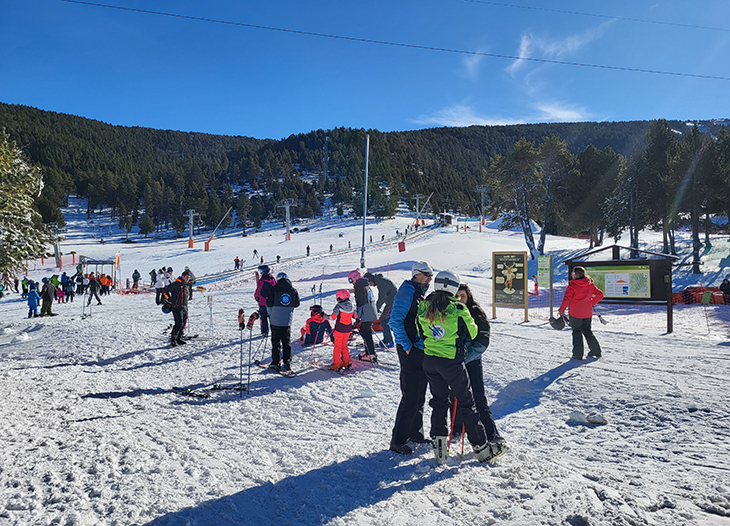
(47, 294)
(135, 278)
(366, 313)
(159, 285)
(282, 301)
(264, 283)
(93, 288)
(580, 298)
(408, 425)
(176, 293)
(386, 294)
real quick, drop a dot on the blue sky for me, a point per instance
(135, 69)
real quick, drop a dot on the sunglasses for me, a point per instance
(427, 274)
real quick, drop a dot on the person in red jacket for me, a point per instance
(580, 297)
(344, 313)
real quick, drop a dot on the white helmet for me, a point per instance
(447, 281)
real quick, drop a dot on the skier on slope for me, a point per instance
(386, 295)
(408, 426)
(473, 363)
(176, 295)
(316, 327)
(282, 301)
(264, 283)
(159, 285)
(33, 299)
(366, 313)
(445, 326)
(344, 313)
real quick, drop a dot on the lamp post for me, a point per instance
(365, 204)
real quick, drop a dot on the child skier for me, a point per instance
(343, 312)
(33, 299)
(317, 326)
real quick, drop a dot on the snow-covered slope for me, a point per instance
(93, 432)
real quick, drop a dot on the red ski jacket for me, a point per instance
(580, 297)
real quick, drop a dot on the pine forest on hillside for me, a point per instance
(599, 179)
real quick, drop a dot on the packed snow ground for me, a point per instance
(94, 434)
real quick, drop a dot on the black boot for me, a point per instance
(180, 341)
(173, 341)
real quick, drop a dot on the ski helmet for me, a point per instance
(342, 294)
(316, 309)
(264, 269)
(447, 281)
(557, 323)
(421, 267)
(281, 275)
(353, 276)
(167, 308)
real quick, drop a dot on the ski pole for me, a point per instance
(316, 337)
(250, 341)
(463, 432)
(448, 447)
(240, 383)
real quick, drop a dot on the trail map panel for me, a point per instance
(629, 281)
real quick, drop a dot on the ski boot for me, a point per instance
(441, 449)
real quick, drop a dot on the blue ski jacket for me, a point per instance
(403, 316)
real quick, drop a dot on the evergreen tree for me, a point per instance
(146, 225)
(22, 233)
(555, 161)
(516, 183)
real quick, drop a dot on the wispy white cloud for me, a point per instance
(523, 53)
(461, 115)
(466, 115)
(559, 112)
(533, 45)
(471, 65)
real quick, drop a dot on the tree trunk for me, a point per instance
(525, 223)
(696, 245)
(665, 236)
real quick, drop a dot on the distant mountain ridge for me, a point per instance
(117, 165)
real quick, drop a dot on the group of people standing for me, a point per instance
(62, 289)
(439, 340)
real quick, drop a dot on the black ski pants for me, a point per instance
(177, 315)
(264, 315)
(413, 382)
(444, 376)
(93, 295)
(476, 380)
(582, 329)
(366, 331)
(281, 341)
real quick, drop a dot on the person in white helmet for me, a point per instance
(446, 326)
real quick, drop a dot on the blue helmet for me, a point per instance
(264, 269)
(282, 275)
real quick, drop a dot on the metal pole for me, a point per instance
(365, 204)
